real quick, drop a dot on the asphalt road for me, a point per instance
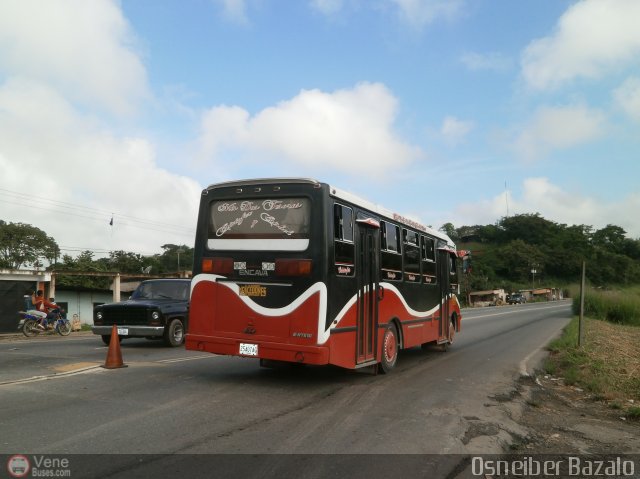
(57, 400)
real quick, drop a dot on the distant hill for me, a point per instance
(504, 254)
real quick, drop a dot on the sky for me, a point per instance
(444, 111)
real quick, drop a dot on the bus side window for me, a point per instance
(411, 256)
(453, 271)
(342, 223)
(390, 256)
(343, 236)
(393, 238)
(428, 256)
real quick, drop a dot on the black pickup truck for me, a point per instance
(156, 309)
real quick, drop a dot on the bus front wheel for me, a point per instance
(389, 349)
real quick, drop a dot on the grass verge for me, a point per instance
(620, 306)
(607, 365)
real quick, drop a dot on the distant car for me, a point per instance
(157, 309)
(517, 298)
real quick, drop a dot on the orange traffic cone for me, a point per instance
(114, 355)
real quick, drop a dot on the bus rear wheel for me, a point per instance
(389, 349)
(452, 328)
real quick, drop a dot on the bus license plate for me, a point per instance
(123, 331)
(249, 349)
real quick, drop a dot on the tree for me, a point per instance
(515, 260)
(84, 263)
(175, 257)
(450, 231)
(23, 245)
(611, 238)
(126, 262)
(531, 228)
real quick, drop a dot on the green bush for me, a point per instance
(634, 413)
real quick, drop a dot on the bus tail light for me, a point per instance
(293, 267)
(223, 266)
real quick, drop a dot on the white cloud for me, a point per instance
(454, 130)
(62, 168)
(554, 203)
(423, 12)
(485, 61)
(49, 150)
(347, 130)
(553, 128)
(84, 49)
(539, 195)
(592, 38)
(627, 96)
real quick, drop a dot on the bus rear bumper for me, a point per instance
(294, 353)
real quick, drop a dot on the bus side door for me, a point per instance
(444, 266)
(367, 272)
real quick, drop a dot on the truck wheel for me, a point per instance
(174, 333)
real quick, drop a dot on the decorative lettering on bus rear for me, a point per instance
(272, 221)
(269, 219)
(253, 290)
(236, 222)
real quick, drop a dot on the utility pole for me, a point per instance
(533, 280)
(581, 317)
(179, 250)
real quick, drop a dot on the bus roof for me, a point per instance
(340, 194)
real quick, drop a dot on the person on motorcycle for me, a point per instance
(47, 307)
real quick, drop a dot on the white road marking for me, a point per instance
(557, 306)
(523, 364)
(47, 377)
(190, 358)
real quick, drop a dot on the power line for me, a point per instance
(95, 214)
(79, 249)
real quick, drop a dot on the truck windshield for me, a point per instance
(278, 224)
(162, 290)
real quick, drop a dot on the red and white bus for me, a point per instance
(296, 270)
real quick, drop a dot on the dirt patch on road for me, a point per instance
(565, 419)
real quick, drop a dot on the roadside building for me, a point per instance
(493, 297)
(543, 294)
(79, 302)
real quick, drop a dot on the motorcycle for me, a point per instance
(31, 323)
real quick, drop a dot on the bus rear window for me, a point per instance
(275, 224)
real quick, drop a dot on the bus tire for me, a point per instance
(452, 328)
(389, 349)
(452, 334)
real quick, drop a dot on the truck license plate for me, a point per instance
(123, 331)
(249, 349)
